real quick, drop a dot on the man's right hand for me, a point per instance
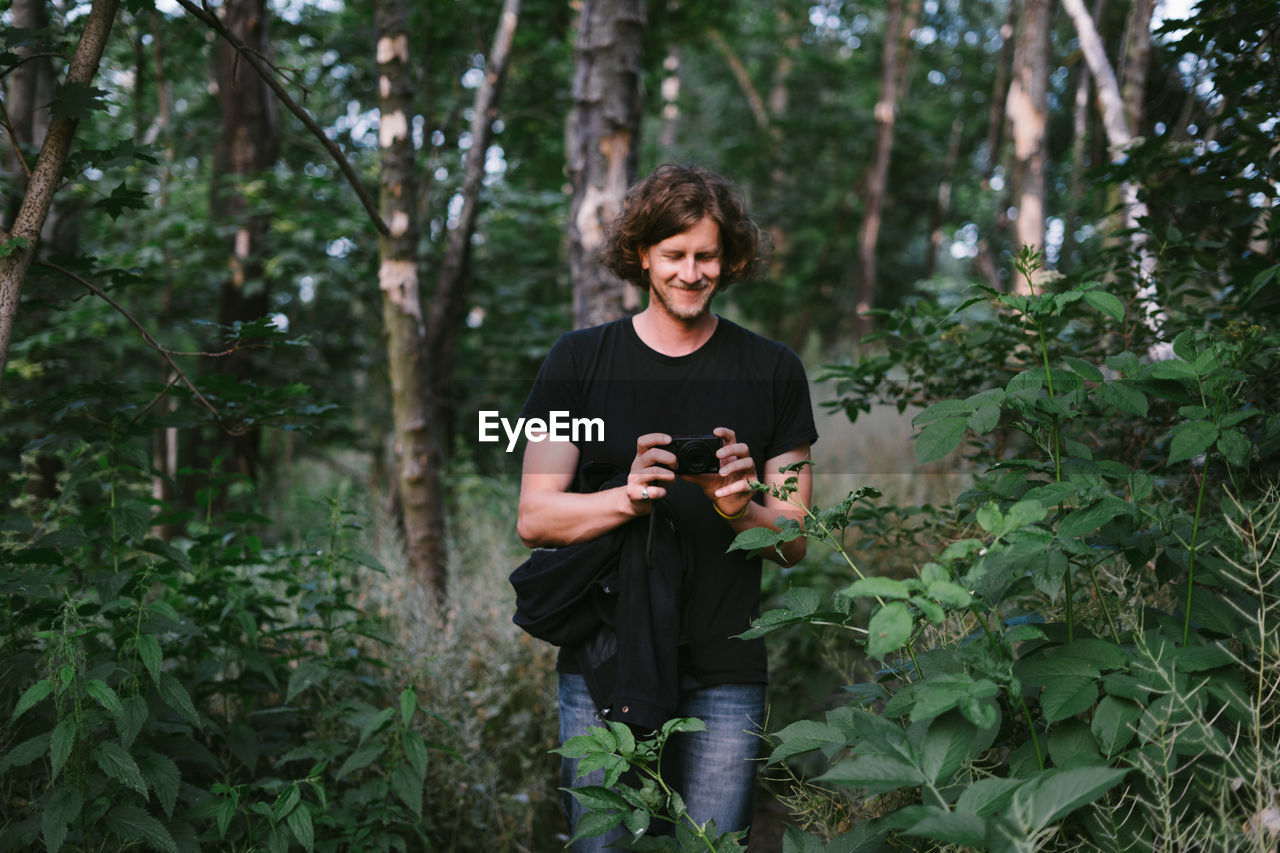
(649, 478)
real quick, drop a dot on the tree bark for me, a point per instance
(448, 305)
(1028, 111)
(602, 136)
(417, 450)
(876, 181)
(248, 145)
(28, 92)
(22, 239)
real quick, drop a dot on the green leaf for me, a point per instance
(795, 840)
(408, 706)
(1084, 369)
(802, 601)
(76, 101)
(956, 828)
(805, 736)
(1173, 369)
(889, 629)
(876, 773)
(149, 651)
(1081, 522)
(987, 796)
(133, 824)
(32, 696)
(1190, 439)
(950, 594)
(163, 777)
(1235, 447)
(61, 743)
(1107, 303)
(877, 587)
(362, 757)
(415, 749)
(407, 785)
(1122, 395)
(176, 697)
(133, 717)
(1055, 796)
(984, 419)
(105, 696)
(1044, 670)
(26, 752)
(119, 765)
(760, 538)
(376, 722)
(299, 823)
(1114, 723)
(593, 824)
(61, 808)
(121, 199)
(309, 674)
(946, 745)
(939, 438)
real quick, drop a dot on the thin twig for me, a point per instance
(150, 341)
(266, 71)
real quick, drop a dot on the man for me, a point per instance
(678, 369)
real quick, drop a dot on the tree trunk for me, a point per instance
(1121, 128)
(248, 145)
(999, 92)
(418, 454)
(944, 197)
(1028, 111)
(28, 92)
(448, 304)
(876, 181)
(1079, 144)
(602, 137)
(21, 240)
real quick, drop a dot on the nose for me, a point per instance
(689, 271)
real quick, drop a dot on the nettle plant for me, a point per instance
(204, 693)
(1092, 661)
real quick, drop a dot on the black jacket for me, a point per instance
(614, 604)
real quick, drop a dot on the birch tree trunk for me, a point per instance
(417, 450)
(602, 141)
(21, 240)
(1028, 111)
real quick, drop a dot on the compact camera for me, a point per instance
(695, 454)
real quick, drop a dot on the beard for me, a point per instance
(676, 301)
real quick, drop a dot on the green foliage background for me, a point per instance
(244, 664)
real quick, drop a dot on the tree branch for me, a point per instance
(150, 341)
(266, 71)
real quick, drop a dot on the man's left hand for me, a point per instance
(730, 488)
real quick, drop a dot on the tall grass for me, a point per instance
(489, 686)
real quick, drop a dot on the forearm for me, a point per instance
(550, 519)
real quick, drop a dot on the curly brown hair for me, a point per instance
(672, 200)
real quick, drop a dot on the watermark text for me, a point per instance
(557, 427)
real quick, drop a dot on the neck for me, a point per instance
(670, 335)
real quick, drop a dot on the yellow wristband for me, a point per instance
(720, 512)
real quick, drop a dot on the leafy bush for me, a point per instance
(207, 692)
(1107, 607)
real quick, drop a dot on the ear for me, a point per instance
(644, 259)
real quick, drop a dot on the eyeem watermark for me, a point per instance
(558, 427)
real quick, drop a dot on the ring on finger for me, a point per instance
(644, 493)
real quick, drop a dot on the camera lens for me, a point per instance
(697, 458)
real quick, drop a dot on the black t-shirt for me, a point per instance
(737, 379)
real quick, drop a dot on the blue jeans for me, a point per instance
(714, 770)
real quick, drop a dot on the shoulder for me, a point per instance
(760, 349)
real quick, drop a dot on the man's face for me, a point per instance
(684, 270)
